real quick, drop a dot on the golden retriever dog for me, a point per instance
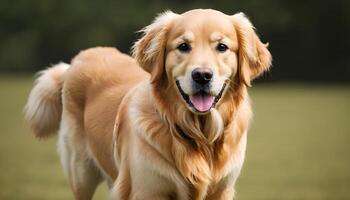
(169, 123)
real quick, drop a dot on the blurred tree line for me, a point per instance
(309, 40)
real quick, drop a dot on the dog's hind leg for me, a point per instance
(84, 176)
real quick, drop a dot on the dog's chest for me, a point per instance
(224, 173)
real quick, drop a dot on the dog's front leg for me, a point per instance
(224, 189)
(226, 193)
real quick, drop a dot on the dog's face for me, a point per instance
(200, 52)
(201, 56)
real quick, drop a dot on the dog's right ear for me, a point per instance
(149, 51)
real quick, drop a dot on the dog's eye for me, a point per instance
(221, 47)
(184, 47)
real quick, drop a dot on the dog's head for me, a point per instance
(200, 54)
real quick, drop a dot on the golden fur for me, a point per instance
(133, 129)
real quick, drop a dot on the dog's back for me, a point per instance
(81, 100)
(94, 71)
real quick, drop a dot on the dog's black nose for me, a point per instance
(202, 75)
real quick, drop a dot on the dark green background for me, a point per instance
(309, 40)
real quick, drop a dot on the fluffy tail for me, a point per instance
(44, 106)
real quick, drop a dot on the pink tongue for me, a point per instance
(202, 102)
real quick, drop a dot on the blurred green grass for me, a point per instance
(298, 146)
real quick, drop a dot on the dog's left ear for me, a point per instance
(149, 51)
(254, 57)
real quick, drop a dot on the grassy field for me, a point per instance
(298, 146)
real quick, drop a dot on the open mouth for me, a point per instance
(201, 101)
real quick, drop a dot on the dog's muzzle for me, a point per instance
(202, 101)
